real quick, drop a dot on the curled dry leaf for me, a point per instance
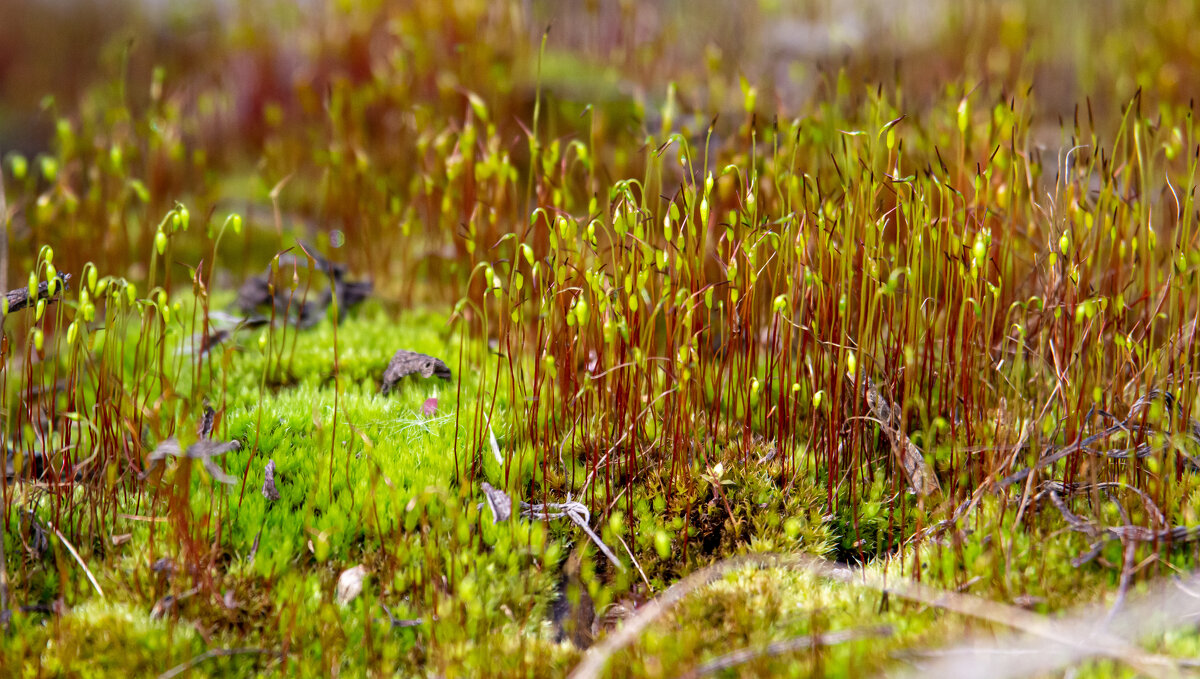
(261, 290)
(498, 501)
(353, 293)
(917, 471)
(268, 490)
(350, 584)
(406, 363)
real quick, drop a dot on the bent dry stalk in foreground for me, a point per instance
(1064, 642)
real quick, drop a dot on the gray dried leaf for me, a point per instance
(203, 450)
(406, 363)
(498, 501)
(268, 490)
(255, 292)
(352, 293)
(916, 470)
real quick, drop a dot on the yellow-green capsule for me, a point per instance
(19, 167)
(39, 339)
(160, 242)
(49, 169)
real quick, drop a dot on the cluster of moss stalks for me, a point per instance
(906, 339)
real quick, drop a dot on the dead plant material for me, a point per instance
(350, 584)
(1100, 534)
(260, 291)
(352, 293)
(400, 623)
(39, 540)
(1168, 604)
(498, 501)
(917, 472)
(802, 643)
(597, 657)
(204, 450)
(578, 514)
(406, 363)
(573, 611)
(1129, 424)
(19, 298)
(208, 655)
(269, 490)
(1097, 643)
(208, 421)
(165, 605)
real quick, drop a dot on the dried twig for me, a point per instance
(208, 655)
(578, 513)
(1096, 643)
(1021, 656)
(1174, 409)
(19, 298)
(1125, 532)
(806, 642)
(70, 548)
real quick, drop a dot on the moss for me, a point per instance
(664, 316)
